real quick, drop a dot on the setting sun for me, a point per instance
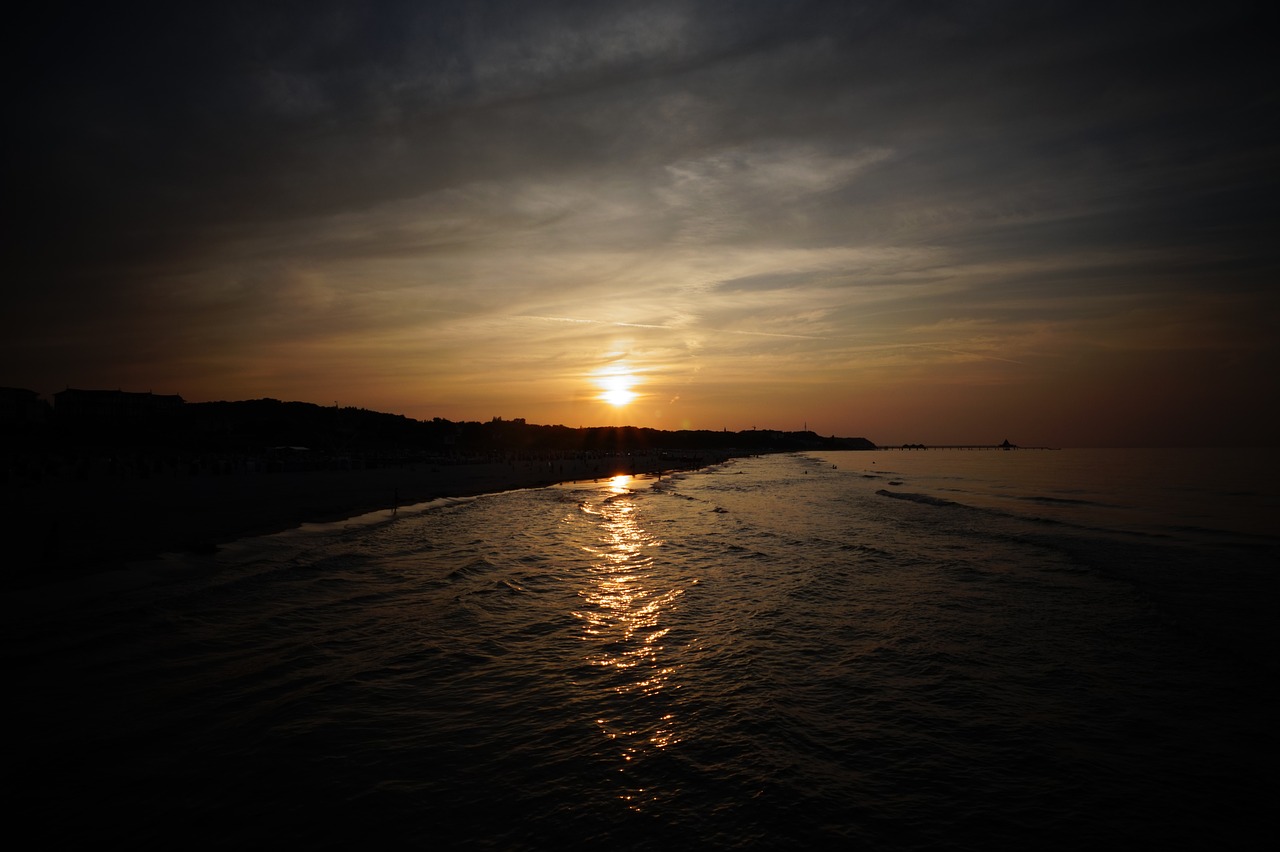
(617, 389)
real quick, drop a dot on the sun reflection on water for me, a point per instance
(623, 621)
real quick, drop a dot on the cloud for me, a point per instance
(775, 192)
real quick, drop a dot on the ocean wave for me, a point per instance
(1062, 501)
(925, 499)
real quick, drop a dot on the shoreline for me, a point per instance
(61, 529)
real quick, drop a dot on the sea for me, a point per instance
(898, 650)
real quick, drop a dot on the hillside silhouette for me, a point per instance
(87, 429)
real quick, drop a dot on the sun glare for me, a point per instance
(617, 389)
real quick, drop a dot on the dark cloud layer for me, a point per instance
(1095, 149)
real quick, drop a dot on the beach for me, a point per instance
(59, 527)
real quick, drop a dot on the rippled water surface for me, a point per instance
(876, 650)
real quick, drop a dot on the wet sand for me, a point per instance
(62, 527)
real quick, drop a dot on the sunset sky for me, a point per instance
(1054, 223)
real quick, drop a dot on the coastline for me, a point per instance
(58, 529)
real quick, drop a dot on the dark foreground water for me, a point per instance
(874, 650)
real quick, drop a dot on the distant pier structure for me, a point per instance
(1004, 445)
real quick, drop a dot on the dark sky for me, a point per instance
(940, 222)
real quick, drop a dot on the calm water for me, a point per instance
(879, 650)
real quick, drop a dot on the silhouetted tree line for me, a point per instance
(518, 436)
(267, 434)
